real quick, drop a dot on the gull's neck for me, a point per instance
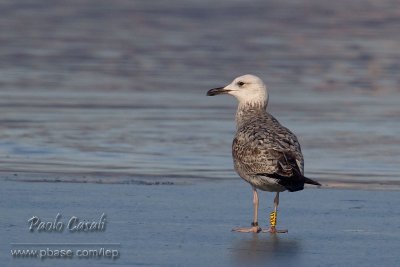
(249, 110)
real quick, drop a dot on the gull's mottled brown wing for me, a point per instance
(266, 148)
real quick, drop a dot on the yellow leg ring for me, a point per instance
(272, 218)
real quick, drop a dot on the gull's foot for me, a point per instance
(253, 229)
(273, 230)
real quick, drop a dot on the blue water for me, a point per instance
(115, 91)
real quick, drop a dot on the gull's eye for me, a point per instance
(240, 84)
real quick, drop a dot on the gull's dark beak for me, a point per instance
(217, 91)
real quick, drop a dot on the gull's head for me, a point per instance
(248, 89)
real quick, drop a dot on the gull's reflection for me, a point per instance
(263, 250)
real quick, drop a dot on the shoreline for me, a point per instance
(170, 180)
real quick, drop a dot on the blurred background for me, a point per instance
(114, 91)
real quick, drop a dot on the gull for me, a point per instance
(265, 154)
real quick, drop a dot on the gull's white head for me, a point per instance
(248, 89)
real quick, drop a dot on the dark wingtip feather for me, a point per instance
(309, 181)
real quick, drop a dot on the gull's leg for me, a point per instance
(254, 225)
(273, 216)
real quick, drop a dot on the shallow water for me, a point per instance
(115, 92)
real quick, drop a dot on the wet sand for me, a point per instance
(189, 225)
